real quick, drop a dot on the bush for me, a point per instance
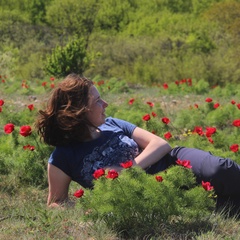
(136, 204)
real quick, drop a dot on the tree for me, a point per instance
(71, 58)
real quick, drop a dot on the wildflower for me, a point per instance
(208, 100)
(207, 186)
(238, 106)
(131, 101)
(159, 178)
(236, 123)
(165, 86)
(177, 82)
(234, 147)
(196, 105)
(8, 128)
(25, 130)
(52, 78)
(101, 82)
(146, 117)
(127, 164)
(216, 105)
(198, 130)
(154, 114)
(30, 107)
(210, 140)
(184, 163)
(150, 104)
(31, 148)
(233, 102)
(189, 81)
(165, 120)
(112, 174)
(167, 135)
(79, 193)
(52, 85)
(1, 102)
(44, 84)
(98, 173)
(210, 131)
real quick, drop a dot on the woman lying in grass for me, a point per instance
(74, 121)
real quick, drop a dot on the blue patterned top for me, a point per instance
(81, 159)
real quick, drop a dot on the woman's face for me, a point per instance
(96, 114)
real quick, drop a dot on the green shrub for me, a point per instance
(136, 204)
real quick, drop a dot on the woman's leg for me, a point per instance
(222, 173)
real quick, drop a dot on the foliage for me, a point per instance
(142, 41)
(147, 203)
(73, 58)
(23, 171)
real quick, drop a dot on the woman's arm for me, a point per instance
(58, 183)
(154, 147)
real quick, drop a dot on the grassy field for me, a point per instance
(23, 211)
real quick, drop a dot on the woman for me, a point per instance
(85, 140)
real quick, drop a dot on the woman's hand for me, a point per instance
(115, 167)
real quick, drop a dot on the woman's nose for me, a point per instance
(105, 104)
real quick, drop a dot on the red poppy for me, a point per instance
(210, 140)
(127, 164)
(189, 81)
(196, 105)
(210, 131)
(151, 104)
(44, 84)
(52, 78)
(112, 174)
(165, 120)
(131, 101)
(52, 85)
(101, 82)
(3, 81)
(167, 135)
(177, 82)
(30, 107)
(233, 102)
(25, 130)
(1, 102)
(98, 173)
(198, 130)
(79, 193)
(184, 163)
(236, 123)
(8, 128)
(216, 105)
(31, 148)
(146, 117)
(165, 86)
(234, 147)
(207, 186)
(208, 100)
(154, 114)
(238, 105)
(159, 178)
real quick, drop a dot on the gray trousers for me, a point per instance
(222, 173)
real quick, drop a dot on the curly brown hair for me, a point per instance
(63, 121)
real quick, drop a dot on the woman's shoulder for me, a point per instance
(116, 124)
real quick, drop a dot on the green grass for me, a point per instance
(23, 211)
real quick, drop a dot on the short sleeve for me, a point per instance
(125, 126)
(59, 158)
